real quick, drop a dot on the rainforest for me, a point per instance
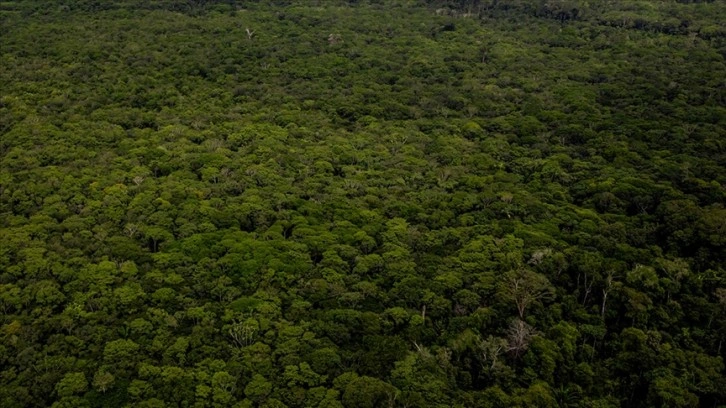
(362, 203)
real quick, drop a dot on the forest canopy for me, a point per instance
(374, 203)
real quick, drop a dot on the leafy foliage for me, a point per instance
(373, 203)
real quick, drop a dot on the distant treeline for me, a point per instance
(678, 17)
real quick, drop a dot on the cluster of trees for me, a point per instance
(403, 203)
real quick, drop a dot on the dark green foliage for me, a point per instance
(337, 203)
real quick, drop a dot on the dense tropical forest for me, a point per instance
(374, 203)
